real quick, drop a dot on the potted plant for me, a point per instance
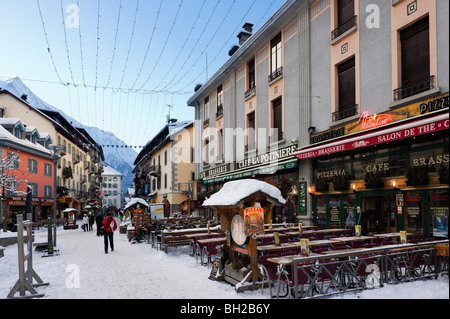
(67, 173)
(373, 180)
(416, 175)
(443, 174)
(321, 184)
(340, 182)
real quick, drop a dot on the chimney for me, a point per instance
(233, 50)
(244, 35)
(24, 97)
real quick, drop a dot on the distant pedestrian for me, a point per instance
(110, 226)
(99, 222)
(91, 221)
(85, 222)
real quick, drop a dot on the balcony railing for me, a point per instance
(276, 137)
(344, 113)
(343, 28)
(275, 75)
(219, 112)
(250, 92)
(420, 86)
(154, 170)
(206, 122)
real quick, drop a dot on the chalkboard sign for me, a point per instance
(216, 264)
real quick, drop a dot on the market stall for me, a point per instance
(70, 217)
(244, 207)
(137, 218)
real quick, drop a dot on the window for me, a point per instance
(206, 152)
(165, 181)
(32, 166)
(206, 111)
(47, 169)
(415, 59)
(251, 74)
(34, 189)
(275, 58)
(219, 97)
(48, 191)
(345, 11)
(277, 121)
(165, 158)
(220, 145)
(346, 90)
(12, 161)
(251, 125)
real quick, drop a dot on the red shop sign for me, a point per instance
(384, 136)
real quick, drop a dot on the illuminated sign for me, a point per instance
(368, 121)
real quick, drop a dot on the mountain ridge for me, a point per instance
(121, 157)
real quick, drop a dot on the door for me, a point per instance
(371, 213)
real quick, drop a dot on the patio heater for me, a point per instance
(56, 151)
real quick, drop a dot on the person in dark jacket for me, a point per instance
(110, 226)
(99, 222)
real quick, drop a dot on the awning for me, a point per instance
(411, 129)
(260, 170)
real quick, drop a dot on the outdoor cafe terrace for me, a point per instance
(337, 261)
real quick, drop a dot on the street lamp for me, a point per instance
(56, 150)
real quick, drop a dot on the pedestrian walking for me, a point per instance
(110, 226)
(85, 222)
(91, 221)
(99, 222)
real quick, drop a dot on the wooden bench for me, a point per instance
(174, 241)
(2, 254)
(40, 246)
(159, 237)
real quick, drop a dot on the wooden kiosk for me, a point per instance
(138, 209)
(244, 207)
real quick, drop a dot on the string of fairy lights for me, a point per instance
(170, 83)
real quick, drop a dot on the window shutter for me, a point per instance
(347, 88)
(415, 43)
(346, 11)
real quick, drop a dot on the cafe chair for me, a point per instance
(377, 241)
(208, 251)
(357, 244)
(269, 271)
(328, 270)
(319, 236)
(303, 279)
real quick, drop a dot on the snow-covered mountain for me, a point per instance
(119, 158)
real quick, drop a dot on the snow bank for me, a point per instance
(233, 192)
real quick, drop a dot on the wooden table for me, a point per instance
(288, 260)
(343, 251)
(211, 240)
(352, 238)
(389, 235)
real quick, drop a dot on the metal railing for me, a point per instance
(420, 86)
(276, 74)
(341, 272)
(344, 113)
(343, 28)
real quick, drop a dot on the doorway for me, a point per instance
(378, 214)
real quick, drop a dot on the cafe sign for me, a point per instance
(435, 124)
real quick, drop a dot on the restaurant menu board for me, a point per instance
(216, 264)
(439, 207)
(302, 198)
(254, 220)
(403, 238)
(304, 246)
(138, 215)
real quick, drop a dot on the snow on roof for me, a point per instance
(108, 170)
(235, 191)
(5, 134)
(135, 201)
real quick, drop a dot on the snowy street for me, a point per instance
(137, 271)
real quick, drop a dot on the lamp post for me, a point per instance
(56, 149)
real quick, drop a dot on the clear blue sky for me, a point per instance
(161, 60)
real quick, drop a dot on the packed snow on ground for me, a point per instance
(138, 271)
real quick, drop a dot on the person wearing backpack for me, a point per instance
(109, 226)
